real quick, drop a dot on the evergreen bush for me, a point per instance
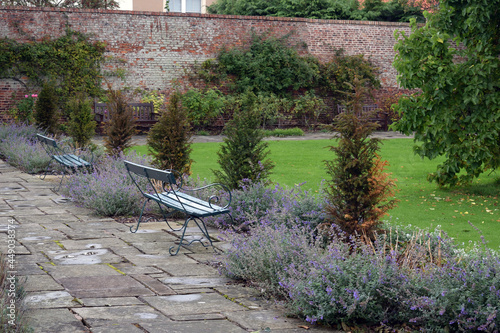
(359, 191)
(81, 123)
(121, 126)
(243, 154)
(169, 139)
(46, 115)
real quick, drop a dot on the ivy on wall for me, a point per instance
(71, 61)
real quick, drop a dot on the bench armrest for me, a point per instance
(215, 194)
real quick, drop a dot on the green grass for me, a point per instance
(421, 204)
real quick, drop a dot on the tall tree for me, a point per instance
(453, 63)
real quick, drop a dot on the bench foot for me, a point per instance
(201, 225)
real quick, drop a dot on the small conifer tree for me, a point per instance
(46, 109)
(359, 192)
(121, 126)
(169, 140)
(243, 155)
(81, 123)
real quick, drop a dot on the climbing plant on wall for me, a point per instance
(71, 61)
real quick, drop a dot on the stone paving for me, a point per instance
(90, 274)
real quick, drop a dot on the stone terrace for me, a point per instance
(91, 274)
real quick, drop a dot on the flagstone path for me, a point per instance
(90, 274)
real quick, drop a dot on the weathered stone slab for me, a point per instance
(50, 299)
(100, 243)
(25, 269)
(110, 301)
(117, 328)
(211, 326)
(41, 283)
(155, 285)
(83, 257)
(147, 237)
(139, 270)
(262, 320)
(65, 271)
(189, 269)
(104, 316)
(178, 305)
(159, 260)
(54, 320)
(201, 281)
(104, 286)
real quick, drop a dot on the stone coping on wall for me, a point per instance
(197, 15)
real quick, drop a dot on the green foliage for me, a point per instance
(121, 126)
(81, 123)
(243, 154)
(308, 107)
(46, 115)
(24, 111)
(267, 65)
(339, 74)
(374, 10)
(71, 61)
(282, 132)
(156, 97)
(169, 139)
(203, 106)
(454, 63)
(358, 192)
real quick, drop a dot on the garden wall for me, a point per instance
(154, 49)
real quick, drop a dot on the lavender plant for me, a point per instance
(108, 189)
(421, 282)
(24, 153)
(256, 203)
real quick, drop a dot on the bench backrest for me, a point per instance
(150, 173)
(143, 112)
(46, 140)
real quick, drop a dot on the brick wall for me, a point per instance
(156, 48)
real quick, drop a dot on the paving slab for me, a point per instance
(104, 286)
(83, 257)
(41, 283)
(54, 320)
(50, 299)
(110, 301)
(178, 305)
(104, 316)
(210, 326)
(66, 271)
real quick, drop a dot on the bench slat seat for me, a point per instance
(70, 161)
(173, 197)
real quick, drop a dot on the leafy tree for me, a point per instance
(121, 125)
(453, 61)
(169, 139)
(91, 4)
(81, 125)
(394, 11)
(243, 155)
(46, 109)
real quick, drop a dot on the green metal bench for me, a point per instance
(165, 187)
(68, 158)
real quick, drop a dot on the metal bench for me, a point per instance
(68, 158)
(165, 188)
(378, 116)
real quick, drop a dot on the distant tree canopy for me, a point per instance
(89, 4)
(373, 10)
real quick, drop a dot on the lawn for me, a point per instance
(421, 204)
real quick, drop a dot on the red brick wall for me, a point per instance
(155, 48)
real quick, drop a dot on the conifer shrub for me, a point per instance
(243, 155)
(169, 140)
(81, 123)
(359, 192)
(121, 126)
(46, 113)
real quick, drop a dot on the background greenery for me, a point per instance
(422, 204)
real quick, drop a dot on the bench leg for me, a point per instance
(203, 230)
(140, 218)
